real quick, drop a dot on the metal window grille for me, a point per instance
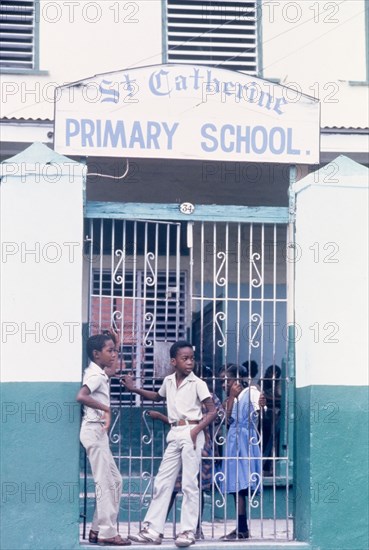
(213, 33)
(17, 34)
(169, 319)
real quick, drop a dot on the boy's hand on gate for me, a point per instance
(127, 382)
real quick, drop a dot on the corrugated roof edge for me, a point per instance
(22, 119)
(343, 128)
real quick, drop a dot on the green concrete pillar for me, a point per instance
(331, 322)
(41, 297)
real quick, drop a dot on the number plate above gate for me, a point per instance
(186, 208)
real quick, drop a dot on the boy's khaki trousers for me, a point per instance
(108, 481)
(178, 454)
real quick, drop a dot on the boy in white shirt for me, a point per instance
(184, 393)
(95, 398)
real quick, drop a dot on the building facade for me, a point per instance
(208, 236)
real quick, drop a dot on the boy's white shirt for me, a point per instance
(97, 381)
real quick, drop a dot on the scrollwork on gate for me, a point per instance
(147, 438)
(255, 477)
(255, 318)
(115, 437)
(218, 480)
(118, 278)
(146, 499)
(221, 281)
(149, 317)
(117, 316)
(150, 280)
(220, 316)
(219, 438)
(256, 283)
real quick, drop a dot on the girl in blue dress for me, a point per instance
(241, 467)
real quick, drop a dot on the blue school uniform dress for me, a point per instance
(243, 467)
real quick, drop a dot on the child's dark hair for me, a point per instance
(235, 371)
(251, 367)
(204, 372)
(96, 342)
(177, 346)
(273, 371)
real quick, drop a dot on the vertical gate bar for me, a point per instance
(178, 276)
(250, 289)
(112, 274)
(137, 353)
(134, 355)
(289, 382)
(262, 313)
(226, 332)
(145, 312)
(201, 303)
(91, 274)
(146, 323)
(273, 388)
(167, 256)
(90, 239)
(238, 360)
(190, 282)
(214, 245)
(123, 280)
(226, 294)
(120, 278)
(112, 324)
(139, 343)
(238, 293)
(156, 280)
(101, 271)
(290, 367)
(251, 334)
(214, 365)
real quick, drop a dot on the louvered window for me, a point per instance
(17, 34)
(218, 33)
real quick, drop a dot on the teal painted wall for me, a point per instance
(331, 470)
(40, 465)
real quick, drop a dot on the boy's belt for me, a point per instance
(183, 422)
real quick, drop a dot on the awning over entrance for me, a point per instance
(186, 112)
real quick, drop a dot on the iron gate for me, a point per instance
(222, 286)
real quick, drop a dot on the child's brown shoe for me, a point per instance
(92, 536)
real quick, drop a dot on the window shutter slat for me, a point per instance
(213, 32)
(17, 34)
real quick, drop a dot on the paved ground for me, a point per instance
(266, 535)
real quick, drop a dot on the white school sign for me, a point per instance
(186, 111)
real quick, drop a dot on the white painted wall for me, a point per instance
(41, 269)
(331, 304)
(81, 39)
(315, 44)
(308, 41)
